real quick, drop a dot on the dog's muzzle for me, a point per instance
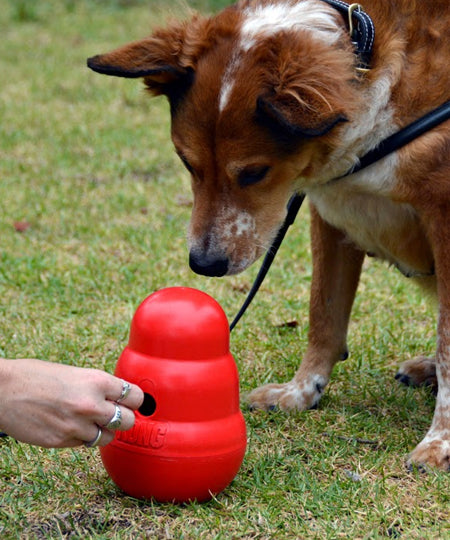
(208, 266)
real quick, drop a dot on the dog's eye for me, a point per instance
(186, 163)
(252, 175)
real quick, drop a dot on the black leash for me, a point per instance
(403, 137)
(386, 147)
(292, 210)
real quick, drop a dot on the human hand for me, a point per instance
(56, 405)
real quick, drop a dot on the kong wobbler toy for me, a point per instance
(189, 438)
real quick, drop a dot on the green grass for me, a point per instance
(87, 163)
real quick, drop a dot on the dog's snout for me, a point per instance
(208, 266)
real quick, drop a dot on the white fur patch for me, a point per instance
(355, 210)
(440, 427)
(438, 435)
(225, 93)
(267, 20)
(375, 122)
(234, 235)
(372, 125)
(264, 21)
(368, 218)
(235, 225)
(308, 387)
(305, 394)
(360, 204)
(442, 411)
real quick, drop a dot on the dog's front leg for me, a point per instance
(336, 270)
(434, 450)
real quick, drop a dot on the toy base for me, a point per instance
(174, 480)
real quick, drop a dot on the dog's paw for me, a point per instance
(431, 453)
(419, 371)
(289, 396)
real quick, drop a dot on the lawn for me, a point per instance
(94, 210)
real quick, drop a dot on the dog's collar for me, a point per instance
(361, 30)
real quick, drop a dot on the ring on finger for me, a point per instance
(116, 420)
(96, 441)
(126, 387)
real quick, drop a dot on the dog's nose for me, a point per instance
(207, 266)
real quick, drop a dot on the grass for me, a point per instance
(87, 167)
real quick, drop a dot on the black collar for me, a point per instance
(361, 30)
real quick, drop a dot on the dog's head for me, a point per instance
(258, 97)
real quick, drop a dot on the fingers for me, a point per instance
(101, 433)
(125, 393)
(101, 437)
(107, 437)
(121, 399)
(116, 417)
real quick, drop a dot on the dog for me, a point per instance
(270, 97)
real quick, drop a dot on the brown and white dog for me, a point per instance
(266, 100)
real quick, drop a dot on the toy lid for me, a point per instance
(180, 323)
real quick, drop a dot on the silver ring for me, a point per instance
(94, 442)
(126, 387)
(116, 420)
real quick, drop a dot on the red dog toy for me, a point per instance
(189, 438)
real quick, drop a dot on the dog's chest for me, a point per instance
(377, 225)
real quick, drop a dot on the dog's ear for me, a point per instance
(310, 90)
(298, 116)
(160, 59)
(139, 59)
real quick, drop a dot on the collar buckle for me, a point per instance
(361, 31)
(354, 31)
(351, 9)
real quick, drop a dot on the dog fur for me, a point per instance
(265, 101)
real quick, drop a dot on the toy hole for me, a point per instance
(148, 407)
